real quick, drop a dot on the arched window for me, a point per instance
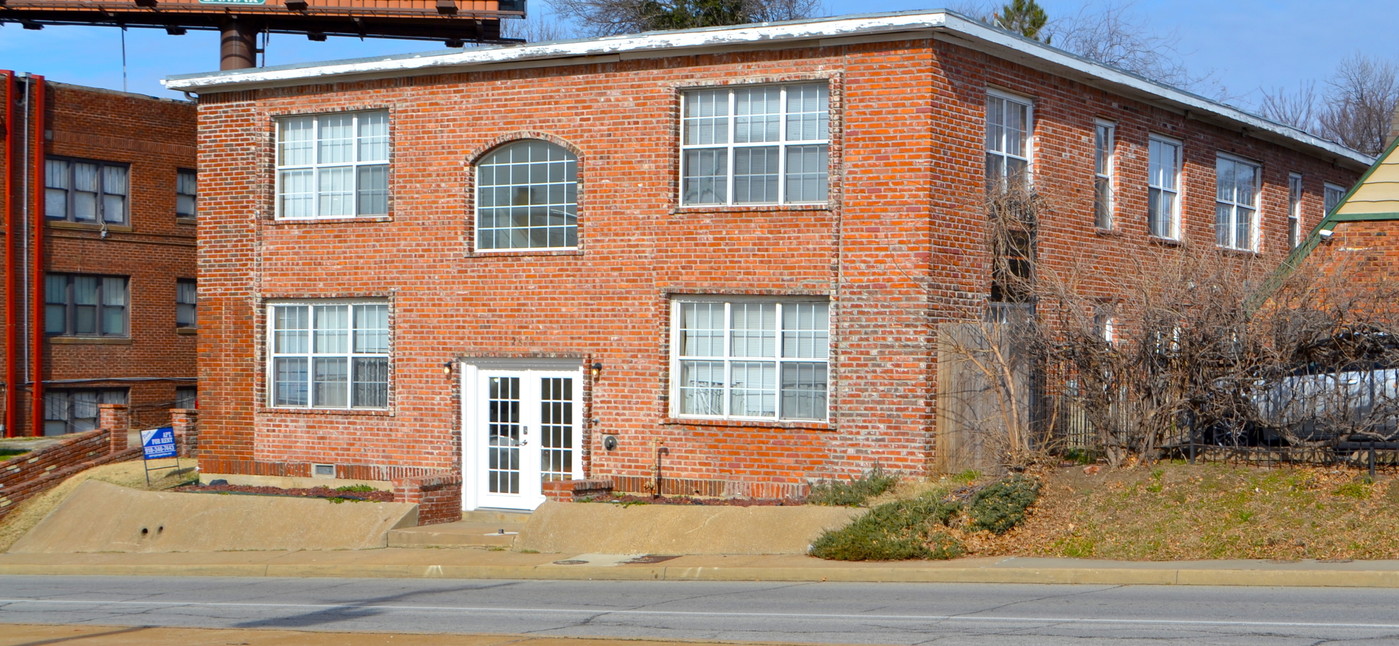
(527, 197)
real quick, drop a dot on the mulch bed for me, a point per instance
(686, 500)
(314, 492)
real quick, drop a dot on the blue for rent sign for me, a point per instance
(159, 443)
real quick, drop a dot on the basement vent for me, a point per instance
(323, 471)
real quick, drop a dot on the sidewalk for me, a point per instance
(478, 563)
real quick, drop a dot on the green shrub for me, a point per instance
(899, 530)
(359, 488)
(854, 493)
(1001, 505)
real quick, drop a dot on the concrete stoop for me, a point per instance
(482, 528)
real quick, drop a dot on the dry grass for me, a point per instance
(1176, 511)
(126, 474)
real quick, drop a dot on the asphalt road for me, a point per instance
(711, 611)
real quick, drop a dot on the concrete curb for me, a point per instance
(439, 564)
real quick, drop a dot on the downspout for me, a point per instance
(13, 384)
(36, 212)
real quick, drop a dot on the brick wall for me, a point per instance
(897, 250)
(156, 137)
(438, 497)
(33, 473)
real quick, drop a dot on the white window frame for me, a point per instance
(555, 196)
(728, 358)
(1158, 189)
(1232, 208)
(1104, 173)
(1294, 209)
(998, 153)
(310, 353)
(730, 146)
(1331, 197)
(317, 168)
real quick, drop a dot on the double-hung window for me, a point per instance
(527, 197)
(1009, 122)
(80, 190)
(1236, 203)
(186, 197)
(85, 305)
(1294, 210)
(333, 165)
(750, 359)
(1163, 187)
(1331, 197)
(186, 303)
(755, 145)
(329, 354)
(1104, 145)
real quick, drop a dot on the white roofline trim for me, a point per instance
(766, 34)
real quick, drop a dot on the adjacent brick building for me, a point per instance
(712, 261)
(97, 193)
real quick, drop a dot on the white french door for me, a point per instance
(522, 426)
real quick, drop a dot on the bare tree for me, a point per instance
(612, 17)
(1355, 110)
(534, 29)
(1114, 36)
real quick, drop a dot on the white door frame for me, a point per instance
(474, 375)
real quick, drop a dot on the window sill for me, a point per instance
(1166, 242)
(88, 340)
(329, 221)
(708, 209)
(189, 331)
(1242, 253)
(517, 253)
(750, 423)
(89, 226)
(1107, 233)
(183, 220)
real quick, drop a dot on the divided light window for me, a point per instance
(186, 183)
(78, 190)
(1163, 187)
(755, 145)
(1236, 203)
(333, 165)
(527, 197)
(1332, 196)
(186, 302)
(750, 359)
(1104, 143)
(329, 355)
(1294, 210)
(1009, 121)
(75, 411)
(85, 305)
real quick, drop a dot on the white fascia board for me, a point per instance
(1037, 55)
(944, 25)
(660, 43)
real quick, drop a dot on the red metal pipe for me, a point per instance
(13, 387)
(37, 90)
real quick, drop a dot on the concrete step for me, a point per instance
(465, 533)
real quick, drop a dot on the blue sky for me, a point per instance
(1245, 44)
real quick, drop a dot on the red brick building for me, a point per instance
(715, 260)
(97, 192)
